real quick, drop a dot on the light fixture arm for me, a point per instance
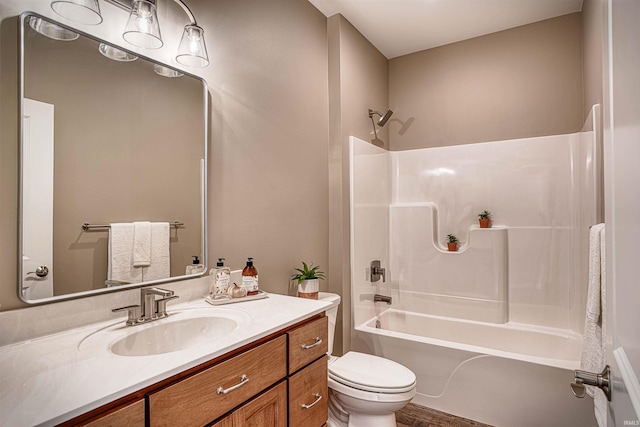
(186, 9)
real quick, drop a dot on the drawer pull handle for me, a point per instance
(243, 380)
(306, 347)
(318, 399)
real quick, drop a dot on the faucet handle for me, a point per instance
(133, 312)
(377, 271)
(162, 305)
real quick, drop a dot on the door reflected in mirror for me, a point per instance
(106, 139)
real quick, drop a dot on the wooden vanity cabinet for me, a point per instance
(280, 381)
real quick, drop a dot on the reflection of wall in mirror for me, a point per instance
(128, 145)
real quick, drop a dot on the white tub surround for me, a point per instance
(54, 378)
(494, 331)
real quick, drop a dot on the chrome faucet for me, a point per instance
(382, 298)
(148, 304)
(150, 308)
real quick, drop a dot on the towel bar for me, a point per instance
(86, 226)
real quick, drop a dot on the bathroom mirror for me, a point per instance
(105, 138)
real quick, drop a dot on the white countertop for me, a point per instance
(51, 379)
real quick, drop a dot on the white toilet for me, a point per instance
(364, 390)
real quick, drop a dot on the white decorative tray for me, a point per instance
(221, 300)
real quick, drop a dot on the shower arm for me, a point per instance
(374, 125)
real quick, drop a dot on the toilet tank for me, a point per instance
(332, 314)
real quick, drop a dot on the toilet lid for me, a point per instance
(371, 373)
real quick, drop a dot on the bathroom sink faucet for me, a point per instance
(150, 308)
(149, 304)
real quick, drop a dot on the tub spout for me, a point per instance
(382, 298)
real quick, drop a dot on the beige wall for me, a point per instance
(133, 155)
(516, 83)
(592, 16)
(357, 81)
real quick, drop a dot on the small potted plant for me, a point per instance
(484, 218)
(308, 278)
(452, 243)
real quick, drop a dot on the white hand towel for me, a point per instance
(594, 338)
(141, 244)
(120, 262)
(160, 266)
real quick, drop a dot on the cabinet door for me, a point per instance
(308, 395)
(266, 410)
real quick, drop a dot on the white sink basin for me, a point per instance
(180, 331)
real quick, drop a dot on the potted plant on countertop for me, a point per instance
(308, 278)
(452, 243)
(484, 218)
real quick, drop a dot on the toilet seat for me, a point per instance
(371, 373)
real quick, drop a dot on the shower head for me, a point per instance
(383, 117)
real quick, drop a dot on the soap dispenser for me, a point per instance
(219, 277)
(250, 278)
(195, 266)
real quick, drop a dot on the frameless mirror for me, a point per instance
(116, 143)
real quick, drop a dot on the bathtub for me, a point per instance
(500, 374)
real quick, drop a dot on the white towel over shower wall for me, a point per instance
(122, 249)
(594, 346)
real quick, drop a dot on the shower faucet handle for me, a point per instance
(377, 271)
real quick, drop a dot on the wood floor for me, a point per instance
(420, 416)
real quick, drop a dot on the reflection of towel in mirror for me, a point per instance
(141, 244)
(160, 260)
(120, 263)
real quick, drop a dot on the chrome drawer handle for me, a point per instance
(318, 399)
(306, 347)
(243, 380)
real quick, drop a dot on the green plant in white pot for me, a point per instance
(308, 278)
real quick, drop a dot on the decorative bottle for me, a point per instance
(219, 277)
(250, 278)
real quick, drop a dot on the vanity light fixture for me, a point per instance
(51, 30)
(143, 30)
(82, 11)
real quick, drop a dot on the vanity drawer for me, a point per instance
(309, 395)
(307, 343)
(195, 401)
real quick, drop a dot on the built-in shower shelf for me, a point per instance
(477, 272)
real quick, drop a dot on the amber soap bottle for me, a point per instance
(250, 278)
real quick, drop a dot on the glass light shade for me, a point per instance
(192, 51)
(166, 71)
(50, 30)
(115, 53)
(143, 29)
(83, 11)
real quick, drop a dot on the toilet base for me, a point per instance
(343, 414)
